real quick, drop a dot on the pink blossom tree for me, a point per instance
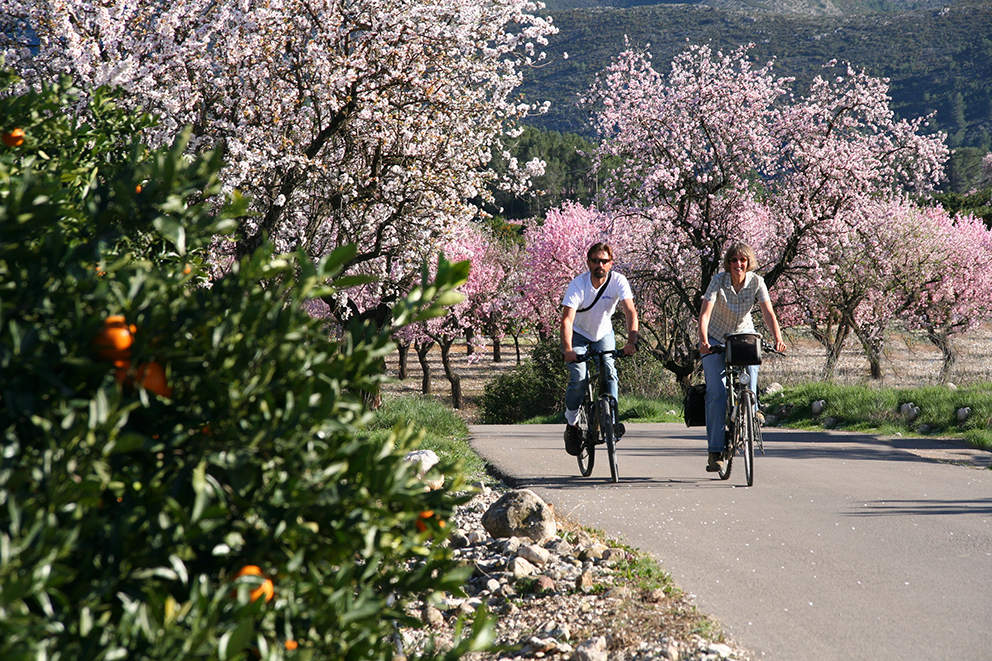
(469, 317)
(556, 253)
(719, 149)
(366, 123)
(956, 281)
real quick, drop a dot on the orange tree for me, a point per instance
(130, 508)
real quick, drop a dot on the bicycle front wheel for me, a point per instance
(609, 435)
(587, 453)
(749, 427)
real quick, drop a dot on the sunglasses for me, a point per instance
(600, 261)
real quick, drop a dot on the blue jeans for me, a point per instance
(578, 374)
(715, 371)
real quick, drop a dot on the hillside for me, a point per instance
(938, 60)
(805, 7)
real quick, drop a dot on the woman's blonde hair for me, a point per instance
(740, 248)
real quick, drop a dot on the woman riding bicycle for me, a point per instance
(587, 308)
(726, 309)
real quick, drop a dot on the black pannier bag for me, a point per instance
(743, 349)
(694, 406)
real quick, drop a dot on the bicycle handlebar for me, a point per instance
(765, 346)
(583, 357)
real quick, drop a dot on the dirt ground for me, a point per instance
(909, 361)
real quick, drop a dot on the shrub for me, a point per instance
(535, 388)
(127, 516)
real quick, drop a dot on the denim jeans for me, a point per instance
(715, 371)
(578, 374)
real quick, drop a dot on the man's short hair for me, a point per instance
(599, 247)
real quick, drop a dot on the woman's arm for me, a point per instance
(768, 312)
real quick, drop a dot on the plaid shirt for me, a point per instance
(732, 310)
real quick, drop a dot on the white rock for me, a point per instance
(774, 388)
(963, 413)
(535, 554)
(818, 406)
(721, 650)
(520, 567)
(425, 460)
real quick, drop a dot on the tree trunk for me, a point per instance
(831, 337)
(422, 349)
(497, 350)
(469, 344)
(949, 355)
(872, 341)
(404, 353)
(453, 378)
(516, 346)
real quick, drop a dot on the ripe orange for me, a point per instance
(13, 139)
(291, 645)
(426, 514)
(151, 376)
(114, 340)
(266, 588)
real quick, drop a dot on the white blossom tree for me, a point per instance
(367, 122)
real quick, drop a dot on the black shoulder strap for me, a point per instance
(598, 294)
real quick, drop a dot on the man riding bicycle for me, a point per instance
(586, 325)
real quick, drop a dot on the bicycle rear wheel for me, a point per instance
(748, 426)
(587, 453)
(609, 435)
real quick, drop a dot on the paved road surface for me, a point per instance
(847, 548)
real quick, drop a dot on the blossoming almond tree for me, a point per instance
(556, 253)
(721, 150)
(366, 122)
(957, 282)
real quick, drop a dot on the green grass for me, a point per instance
(878, 410)
(444, 432)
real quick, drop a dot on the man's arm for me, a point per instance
(630, 312)
(567, 319)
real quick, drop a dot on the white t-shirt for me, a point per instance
(595, 323)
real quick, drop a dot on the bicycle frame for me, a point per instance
(598, 416)
(743, 432)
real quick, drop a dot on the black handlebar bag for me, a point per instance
(743, 349)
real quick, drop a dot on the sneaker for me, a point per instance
(619, 430)
(573, 440)
(714, 463)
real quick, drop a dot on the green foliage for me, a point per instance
(568, 173)
(443, 431)
(535, 388)
(125, 511)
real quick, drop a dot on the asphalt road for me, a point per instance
(847, 547)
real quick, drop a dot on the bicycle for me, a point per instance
(598, 418)
(743, 431)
